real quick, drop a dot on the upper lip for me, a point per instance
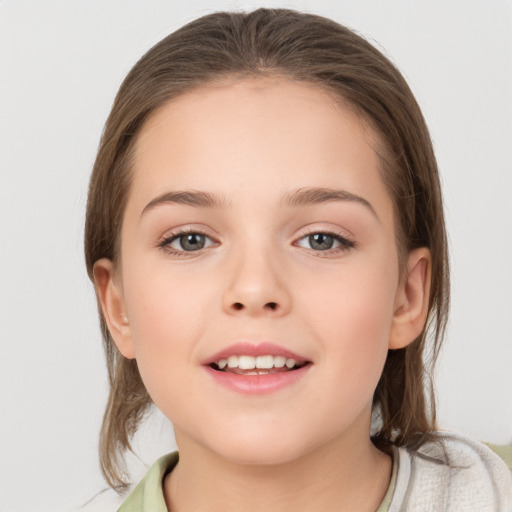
(254, 349)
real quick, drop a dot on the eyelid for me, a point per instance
(333, 230)
(345, 239)
(170, 236)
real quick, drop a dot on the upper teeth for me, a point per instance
(261, 362)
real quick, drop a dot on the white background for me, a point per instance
(60, 65)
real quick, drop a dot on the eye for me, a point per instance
(324, 241)
(186, 242)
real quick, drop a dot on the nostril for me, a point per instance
(239, 306)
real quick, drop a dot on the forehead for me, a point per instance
(243, 135)
(241, 101)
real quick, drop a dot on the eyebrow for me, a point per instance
(305, 196)
(316, 195)
(187, 197)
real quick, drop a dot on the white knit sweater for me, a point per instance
(474, 479)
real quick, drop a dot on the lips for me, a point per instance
(256, 369)
(264, 356)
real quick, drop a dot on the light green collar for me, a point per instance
(148, 496)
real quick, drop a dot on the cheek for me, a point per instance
(164, 302)
(356, 296)
(352, 317)
(167, 318)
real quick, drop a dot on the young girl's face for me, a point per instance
(258, 224)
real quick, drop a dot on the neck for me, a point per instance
(343, 475)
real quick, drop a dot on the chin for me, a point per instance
(260, 446)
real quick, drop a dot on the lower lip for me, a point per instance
(257, 384)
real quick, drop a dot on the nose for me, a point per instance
(255, 286)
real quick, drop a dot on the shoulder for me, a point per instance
(146, 496)
(504, 451)
(453, 473)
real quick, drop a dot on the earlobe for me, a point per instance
(412, 300)
(109, 293)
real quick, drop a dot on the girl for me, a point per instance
(265, 234)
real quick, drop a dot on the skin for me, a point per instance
(252, 143)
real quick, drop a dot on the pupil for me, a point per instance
(192, 242)
(321, 241)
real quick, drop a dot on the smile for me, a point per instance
(259, 365)
(256, 369)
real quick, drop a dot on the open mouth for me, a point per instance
(257, 365)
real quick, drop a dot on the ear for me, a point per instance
(110, 296)
(411, 300)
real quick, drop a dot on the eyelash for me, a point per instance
(345, 243)
(165, 243)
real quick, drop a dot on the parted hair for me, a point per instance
(309, 49)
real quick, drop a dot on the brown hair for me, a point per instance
(309, 49)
